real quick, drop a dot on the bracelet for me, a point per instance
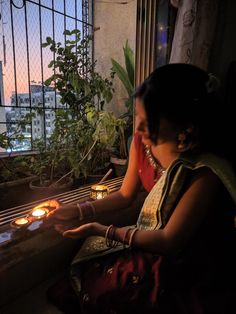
(80, 212)
(86, 210)
(124, 242)
(106, 234)
(132, 236)
(110, 239)
(93, 208)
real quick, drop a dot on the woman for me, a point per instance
(178, 257)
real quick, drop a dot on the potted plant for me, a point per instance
(80, 128)
(126, 76)
(15, 173)
(14, 169)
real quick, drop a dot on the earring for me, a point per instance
(183, 141)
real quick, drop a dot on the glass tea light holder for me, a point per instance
(98, 191)
(21, 222)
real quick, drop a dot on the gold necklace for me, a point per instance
(155, 165)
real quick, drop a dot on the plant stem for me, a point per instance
(70, 172)
(106, 175)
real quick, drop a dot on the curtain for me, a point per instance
(194, 31)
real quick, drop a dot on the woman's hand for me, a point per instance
(65, 212)
(84, 231)
(50, 204)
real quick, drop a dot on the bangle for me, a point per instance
(93, 208)
(110, 239)
(80, 212)
(132, 236)
(124, 242)
(86, 210)
(106, 234)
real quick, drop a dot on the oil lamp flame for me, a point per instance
(39, 212)
(20, 222)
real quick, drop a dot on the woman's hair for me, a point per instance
(185, 95)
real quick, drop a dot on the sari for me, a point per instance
(121, 280)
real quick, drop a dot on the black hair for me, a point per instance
(181, 94)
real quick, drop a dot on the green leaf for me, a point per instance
(66, 32)
(48, 82)
(45, 45)
(49, 40)
(129, 62)
(75, 31)
(123, 76)
(51, 64)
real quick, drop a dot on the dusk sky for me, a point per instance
(34, 40)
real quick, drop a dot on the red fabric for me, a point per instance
(121, 283)
(146, 171)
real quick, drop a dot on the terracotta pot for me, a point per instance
(46, 191)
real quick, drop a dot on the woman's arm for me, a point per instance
(115, 201)
(199, 199)
(195, 204)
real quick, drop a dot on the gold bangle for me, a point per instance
(132, 235)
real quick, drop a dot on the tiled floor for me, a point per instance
(33, 302)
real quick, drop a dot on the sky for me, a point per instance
(34, 40)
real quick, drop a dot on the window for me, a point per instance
(152, 37)
(24, 26)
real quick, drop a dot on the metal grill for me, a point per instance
(24, 26)
(74, 196)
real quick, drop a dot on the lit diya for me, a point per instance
(20, 222)
(99, 191)
(38, 213)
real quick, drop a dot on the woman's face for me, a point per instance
(141, 123)
(166, 132)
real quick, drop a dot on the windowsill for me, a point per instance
(16, 154)
(30, 256)
(34, 254)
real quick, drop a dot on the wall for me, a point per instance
(115, 22)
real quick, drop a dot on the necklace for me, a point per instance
(155, 164)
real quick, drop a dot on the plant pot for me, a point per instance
(120, 166)
(15, 193)
(51, 190)
(94, 178)
(97, 176)
(78, 182)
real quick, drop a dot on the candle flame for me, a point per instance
(100, 187)
(21, 221)
(38, 212)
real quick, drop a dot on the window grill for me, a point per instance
(24, 26)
